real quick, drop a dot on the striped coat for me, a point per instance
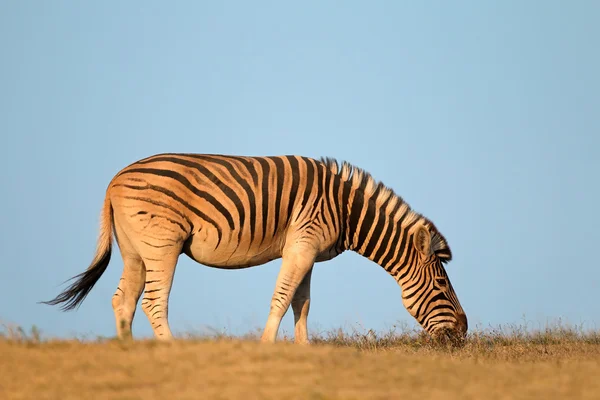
(236, 212)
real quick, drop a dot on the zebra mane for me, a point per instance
(363, 180)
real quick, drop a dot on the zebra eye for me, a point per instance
(441, 282)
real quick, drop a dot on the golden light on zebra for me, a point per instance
(236, 212)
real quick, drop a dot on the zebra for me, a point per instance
(232, 212)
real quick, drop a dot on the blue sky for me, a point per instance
(482, 115)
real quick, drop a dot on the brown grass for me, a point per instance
(492, 364)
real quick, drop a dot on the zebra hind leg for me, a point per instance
(301, 306)
(155, 303)
(296, 264)
(125, 299)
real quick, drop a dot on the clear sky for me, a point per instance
(484, 116)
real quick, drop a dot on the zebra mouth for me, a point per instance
(454, 337)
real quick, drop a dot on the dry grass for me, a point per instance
(493, 364)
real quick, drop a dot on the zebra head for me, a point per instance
(427, 292)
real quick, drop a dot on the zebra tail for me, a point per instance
(73, 295)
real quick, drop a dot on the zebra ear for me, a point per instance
(422, 241)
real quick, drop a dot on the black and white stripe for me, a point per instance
(237, 212)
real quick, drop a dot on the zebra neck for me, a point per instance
(380, 232)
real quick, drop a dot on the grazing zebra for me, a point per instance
(236, 212)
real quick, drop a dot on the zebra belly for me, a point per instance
(229, 254)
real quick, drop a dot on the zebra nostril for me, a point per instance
(462, 323)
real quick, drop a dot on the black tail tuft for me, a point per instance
(77, 292)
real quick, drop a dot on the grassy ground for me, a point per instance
(492, 364)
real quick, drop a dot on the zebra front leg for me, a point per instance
(301, 306)
(294, 267)
(125, 299)
(159, 280)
